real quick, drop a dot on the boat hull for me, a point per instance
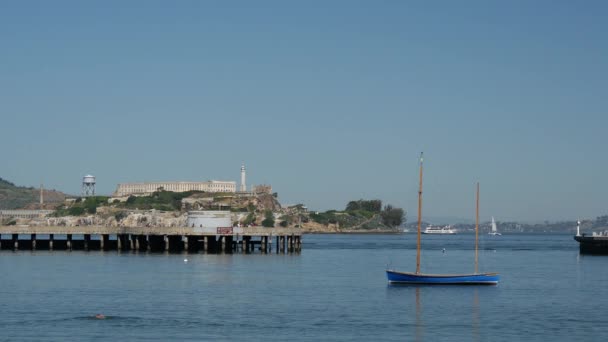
(593, 244)
(395, 277)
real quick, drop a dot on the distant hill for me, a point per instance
(438, 220)
(20, 197)
(600, 223)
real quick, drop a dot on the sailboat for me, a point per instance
(397, 277)
(494, 231)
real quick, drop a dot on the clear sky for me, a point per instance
(327, 101)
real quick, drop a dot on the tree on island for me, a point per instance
(268, 220)
(392, 217)
(365, 205)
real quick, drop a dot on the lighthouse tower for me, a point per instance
(243, 184)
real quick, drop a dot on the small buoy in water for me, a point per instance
(443, 251)
(100, 316)
(185, 260)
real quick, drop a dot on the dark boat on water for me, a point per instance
(596, 243)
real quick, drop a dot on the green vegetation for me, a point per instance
(4, 182)
(392, 217)
(250, 219)
(159, 200)
(20, 197)
(268, 219)
(362, 214)
(373, 206)
(345, 219)
(80, 207)
(73, 211)
(287, 220)
(91, 203)
(328, 217)
(121, 215)
(15, 197)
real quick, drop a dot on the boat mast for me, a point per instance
(419, 218)
(476, 225)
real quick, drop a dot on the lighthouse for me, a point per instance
(243, 184)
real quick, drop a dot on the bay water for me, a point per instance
(334, 290)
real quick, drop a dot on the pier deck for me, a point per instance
(151, 239)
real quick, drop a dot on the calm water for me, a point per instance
(335, 290)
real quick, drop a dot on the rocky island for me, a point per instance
(170, 209)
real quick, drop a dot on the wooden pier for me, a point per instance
(152, 239)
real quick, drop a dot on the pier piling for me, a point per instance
(151, 239)
(156, 243)
(103, 241)
(247, 240)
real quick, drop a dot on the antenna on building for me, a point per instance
(41, 196)
(243, 184)
(88, 186)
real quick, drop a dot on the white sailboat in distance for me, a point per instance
(494, 231)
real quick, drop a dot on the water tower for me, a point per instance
(88, 186)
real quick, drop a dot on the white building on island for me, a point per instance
(146, 188)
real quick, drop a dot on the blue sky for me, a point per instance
(327, 101)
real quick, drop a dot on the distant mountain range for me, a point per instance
(20, 197)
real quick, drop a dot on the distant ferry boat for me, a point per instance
(438, 230)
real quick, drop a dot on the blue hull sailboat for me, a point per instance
(439, 279)
(396, 277)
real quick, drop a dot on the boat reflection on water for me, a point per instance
(419, 327)
(475, 317)
(439, 309)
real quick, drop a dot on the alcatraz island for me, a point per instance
(180, 204)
